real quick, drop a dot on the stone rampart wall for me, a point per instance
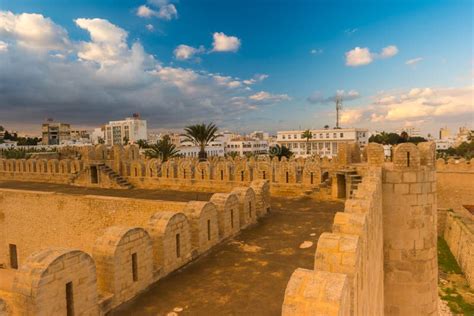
(348, 272)
(458, 231)
(455, 183)
(118, 245)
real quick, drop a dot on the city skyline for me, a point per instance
(246, 66)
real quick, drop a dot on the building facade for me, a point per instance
(130, 130)
(54, 133)
(324, 142)
(244, 146)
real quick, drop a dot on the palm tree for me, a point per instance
(142, 143)
(307, 135)
(280, 152)
(201, 135)
(164, 149)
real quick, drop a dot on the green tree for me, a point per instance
(164, 149)
(280, 152)
(142, 143)
(201, 135)
(307, 135)
(125, 140)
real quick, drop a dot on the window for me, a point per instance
(327, 135)
(232, 218)
(341, 135)
(69, 299)
(250, 209)
(178, 246)
(13, 256)
(134, 267)
(208, 229)
(334, 135)
(94, 175)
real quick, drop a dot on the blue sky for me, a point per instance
(297, 52)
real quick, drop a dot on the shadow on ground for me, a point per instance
(246, 275)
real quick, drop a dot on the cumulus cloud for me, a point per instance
(317, 96)
(93, 81)
(224, 43)
(389, 51)
(316, 51)
(32, 31)
(438, 105)
(413, 61)
(255, 79)
(161, 9)
(3, 46)
(363, 56)
(183, 52)
(150, 27)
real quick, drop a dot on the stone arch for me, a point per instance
(406, 156)
(311, 173)
(185, 169)
(31, 165)
(76, 166)
(101, 152)
(375, 154)
(287, 172)
(53, 166)
(227, 205)
(42, 282)
(203, 170)
(65, 166)
(168, 169)
(171, 238)
(427, 153)
(222, 172)
(263, 170)
(204, 227)
(124, 259)
(262, 196)
(131, 152)
(10, 165)
(20, 165)
(247, 213)
(41, 166)
(324, 176)
(242, 172)
(153, 168)
(137, 169)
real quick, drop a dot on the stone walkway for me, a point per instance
(248, 274)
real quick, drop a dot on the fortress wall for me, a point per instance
(455, 183)
(348, 272)
(458, 231)
(76, 221)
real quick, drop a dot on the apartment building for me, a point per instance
(324, 142)
(130, 130)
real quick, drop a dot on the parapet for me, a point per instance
(408, 156)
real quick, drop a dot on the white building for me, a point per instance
(130, 130)
(246, 146)
(443, 144)
(98, 135)
(412, 131)
(324, 142)
(188, 149)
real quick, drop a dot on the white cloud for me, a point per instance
(162, 10)
(389, 51)
(32, 31)
(183, 52)
(150, 27)
(350, 31)
(3, 46)
(414, 61)
(316, 51)
(351, 116)
(358, 57)
(317, 96)
(264, 96)
(255, 79)
(224, 43)
(104, 75)
(363, 56)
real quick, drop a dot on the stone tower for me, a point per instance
(410, 238)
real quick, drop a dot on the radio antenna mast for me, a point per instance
(338, 109)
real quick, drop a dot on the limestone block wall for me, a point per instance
(454, 183)
(124, 260)
(410, 238)
(54, 280)
(348, 271)
(247, 204)
(172, 241)
(204, 226)
(227, 205)
(458, 232)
